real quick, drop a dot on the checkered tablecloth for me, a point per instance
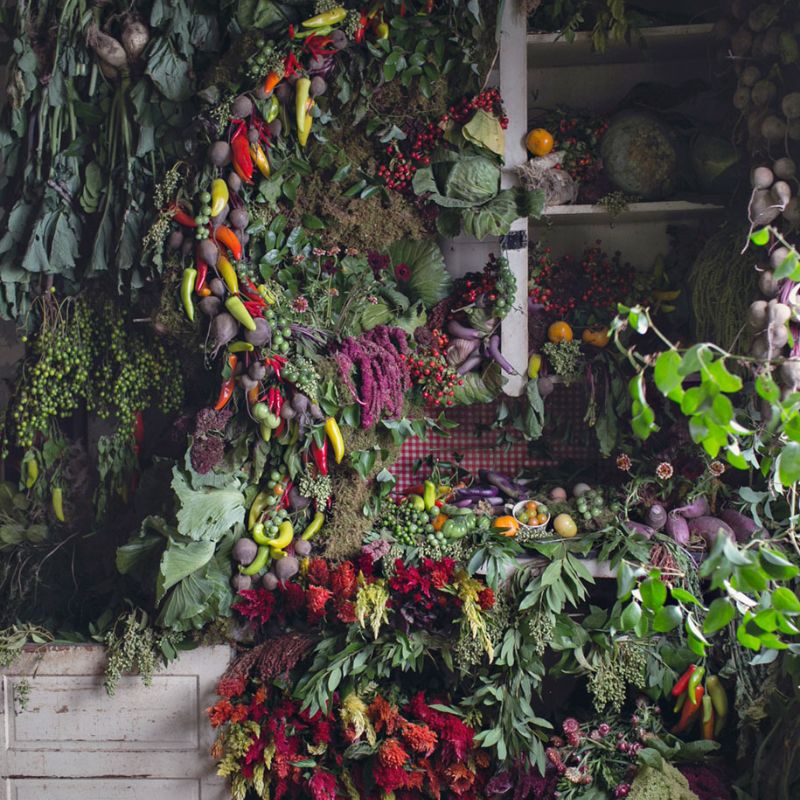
(565, 436)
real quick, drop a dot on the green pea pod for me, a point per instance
(258, 563)
(187, 286)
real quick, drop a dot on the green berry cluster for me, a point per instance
(594, 510)
(281, 332)
(505, 287)
(84, 353)
(406, 523)
(626, 664)
(263, 61)
(541, 625)
(301, 372)
(202, 231)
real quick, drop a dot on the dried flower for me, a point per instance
(716, 468)
(664, 471)
(420, 738)
(300, 305)
(624, 462)
(570, 725)
(392, 754)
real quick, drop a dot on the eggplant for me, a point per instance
(640, 528)
(504, 484)
(462, 331)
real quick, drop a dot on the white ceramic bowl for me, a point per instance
(524, 526)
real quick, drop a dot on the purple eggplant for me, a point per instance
(697, 508)
(462, 331)
(493, 349)
(473, 362)
(640, 528)
(465, 503)
(504, 484)
(478, 491)
(744, 527)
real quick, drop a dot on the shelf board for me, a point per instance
(659, 211)
(667, 43)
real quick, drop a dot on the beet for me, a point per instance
(269, 581)
(239, 218)
(242, 107)
(219, 154)
(241, 582)
(208, 251)
(217, 287)
(261, 335)
(286, 568)
(297, 501)
(656, 516)
(640, 528)
(244, 551)
(210, 306)
(302, 548)
(744, 527)
(697, 508)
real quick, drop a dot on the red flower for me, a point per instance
(343, 580)
(402, 272)
(392, 754)
(486, 598)
(318, 571)
(321, 731)
(317, 598)
(257, 604)
(420, 738)
(322, 785)
(441, 572)
(346, 612)
(231, 685)
(220, 713)
(293, 596)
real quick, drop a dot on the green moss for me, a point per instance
(347, 525)
(664, 784)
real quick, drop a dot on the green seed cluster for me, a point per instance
(88, 354)
(301, 372)
(540, 630)
(565, 358)
(281, 332)
(626, 664)
(406, 524)
(318, 489)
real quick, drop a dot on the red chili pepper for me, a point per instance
(277, 363)
(429, 6)
(202, 274)
(284, 501)
(320, 455)
(290, 65)
(138, 432)
(242, 160)
(683, 682)
(317, 46)
(226, 390)
(181, 217)
(253, 307)
(689, 712)
(291, 31)
(274, 400)
(251, 292)
(280, 429)
(362, 29)
(402, 9)
(225, 236)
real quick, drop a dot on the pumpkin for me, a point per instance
(539, 142)
(506, 525)
(559, 332)
(596, 336)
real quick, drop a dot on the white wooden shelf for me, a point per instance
(660, 211)
(668, 43)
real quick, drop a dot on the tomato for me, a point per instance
(523, 517)
(539, 142)
(541, 519)
(565, 526)
(506, 525)
(559, 332)
(531, 505)
(597, 336)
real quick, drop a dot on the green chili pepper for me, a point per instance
(258, 563)
(694, 682)
(324, 31)
(259, 504)
(333, 16)
(187, 286)
(273, 109)
(237, 310)
(313, 526)
(258, 534)
(240, 347)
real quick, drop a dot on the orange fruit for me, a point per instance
(559, 332)
(597, 336)
(541, 519)
(506, 525)
(531, 505)
(539, 142)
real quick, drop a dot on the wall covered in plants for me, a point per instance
(221, 247)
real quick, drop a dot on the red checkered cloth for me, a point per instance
(565, 436)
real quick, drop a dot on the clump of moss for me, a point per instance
(347, 525)
(393, 97)
(664, 784)
(357, 223)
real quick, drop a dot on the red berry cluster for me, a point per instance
(597, 283)
(474, 284)
(579, 137)
(431, 371)
(489, 101)
(399, 171)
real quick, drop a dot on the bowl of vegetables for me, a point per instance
(532, 515)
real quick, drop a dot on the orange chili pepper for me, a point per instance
(273, 79)
(439, 521)
(225, 236)
(252, 395)
(226, 390)
(689, 712)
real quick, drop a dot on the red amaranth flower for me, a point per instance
(220, 713)
(317, 598)
(231, 685)
(392, 754)
(486, 598)
(322, 785)
(318, 571)
(344, 581)
(420, 738)
(346, 611)
(256, 604)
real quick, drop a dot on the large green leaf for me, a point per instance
(494, 218)
(180, 560)
(209, 513)
(430, 281)
(480, 387)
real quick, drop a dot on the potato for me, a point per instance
(784, 168)
(792, 212)
(741, 98)
(750, 76)
(757, 315)
(767, 283)
(764, 92)
(761, 178)
(790, 105)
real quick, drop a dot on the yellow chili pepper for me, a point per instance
(273, 110)
(331, 17)
(335, 437)
(237, 310)
(57, 501)
(284, 537)
(30, 471)
(429, 495)
(260, 158)
(382, 30)
(259, 504)
(219, 196)
(313, 526)
(228, 274)
(302, 105)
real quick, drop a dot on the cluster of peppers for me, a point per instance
(695, 702)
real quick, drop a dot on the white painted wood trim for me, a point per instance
(74, 742)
